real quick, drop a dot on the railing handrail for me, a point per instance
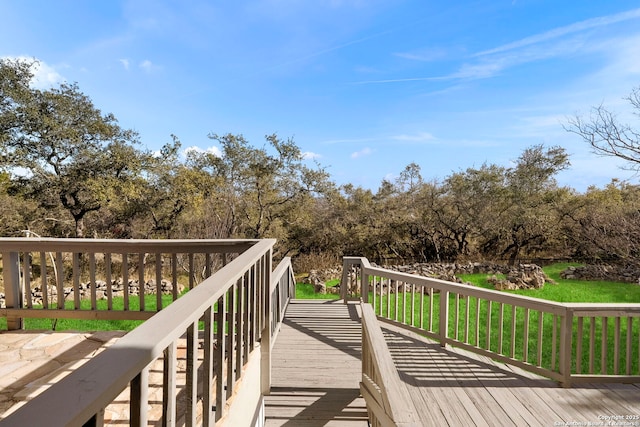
(386, 395)
(23, 244)
(553, 307)
(90, 388)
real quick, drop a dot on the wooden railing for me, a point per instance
(566, 342)
(388, 400)
(238, 307)
(81, 278)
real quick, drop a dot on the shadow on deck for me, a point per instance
(316, 367)
(454, 387)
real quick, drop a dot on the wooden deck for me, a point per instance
(316, 367)
(316, 372)
(454, 387)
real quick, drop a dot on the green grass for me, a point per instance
(306, 291)
(94, 325)
(570, 290)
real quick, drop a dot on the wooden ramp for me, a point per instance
(454, 387)
(316, 367)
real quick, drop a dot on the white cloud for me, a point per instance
(418, 137)
(558, 42)
(310, 155)
(423, 55)
(348, 141)
(563, 31)
(147, 65)
(362, 153)
(44, 75)
(125, 63)
(211, 150)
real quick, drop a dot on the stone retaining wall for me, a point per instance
(611, 273)
(84, 289)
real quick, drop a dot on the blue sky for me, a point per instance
(365, 87)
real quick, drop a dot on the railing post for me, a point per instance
(346, 265)
(364, 286)
(265, 342)
(566, 335)
(12, 288)
(444, 317)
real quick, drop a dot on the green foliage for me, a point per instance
(70, 170)
(306, 291)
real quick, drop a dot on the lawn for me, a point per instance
(94, 325)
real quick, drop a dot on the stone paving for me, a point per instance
(32, 360)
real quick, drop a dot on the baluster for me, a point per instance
(92, 280)
(430, 309)
(221, 315)
(500, 327)
(466, 318)
(76, 280)
(245, 317)
(540, 335)
(513, 332)
(239, 321)
(125, 280)
(60, 280)
(579, 346)
(158, 258)
(421, 307)
(554, 340)
(388, 316)
(616, 347)
(396, 288)
(488, 331)
(139, 400)
(525, 333)
(603, 358)
(191, 388)
(191, 272)
(477, 323)
(107, 267)
(413, 304)
(592, 339)
(141, 281)
(26, 274)
(207, 384)
(174, 276)
(169, 386)
(45, 284)
(457, 316)
(629, 349)
(231, 335)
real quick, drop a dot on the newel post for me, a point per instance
(12, 288)
(444, 317)
(346, 266)
(566, 336)
(364, 285)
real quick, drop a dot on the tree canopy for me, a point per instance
(67, 169)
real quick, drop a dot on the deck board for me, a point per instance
(316, 368)
(458, 385)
